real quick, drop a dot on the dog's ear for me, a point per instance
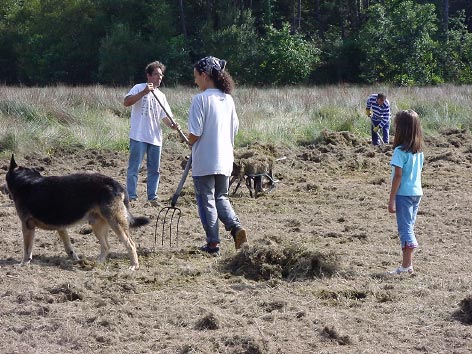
(13, 164)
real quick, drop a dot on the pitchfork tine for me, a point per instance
(169, 218)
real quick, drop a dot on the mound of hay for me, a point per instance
(464, 314)
(208, 322)
(264, 262)
(338, 138)
(254, 159)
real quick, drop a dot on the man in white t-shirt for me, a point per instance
(146, 134)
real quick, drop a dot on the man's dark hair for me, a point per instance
(153, 66)
(381, 96)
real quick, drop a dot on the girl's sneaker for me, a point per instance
(401, 270)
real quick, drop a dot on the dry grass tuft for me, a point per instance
(332, 334)
(245, 345)
(339, 138)
(208, 322)
(66, 292)
(264, 262)
(464, 314)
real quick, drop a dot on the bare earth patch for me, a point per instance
(311, 280)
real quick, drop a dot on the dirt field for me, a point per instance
(312, 279)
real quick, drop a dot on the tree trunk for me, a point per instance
(354, 13)
(299, 14)
(182, 16)
(319, 23)
(445, 19)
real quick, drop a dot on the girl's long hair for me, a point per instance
(408, 131)
(223, 81)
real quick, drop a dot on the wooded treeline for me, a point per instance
(266, 42)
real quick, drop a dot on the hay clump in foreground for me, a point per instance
(464, 314)
(264, 262)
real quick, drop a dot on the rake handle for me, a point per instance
(182, 181)
(182, 134)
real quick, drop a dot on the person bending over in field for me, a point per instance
(378, 110)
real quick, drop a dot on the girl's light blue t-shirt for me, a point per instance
(411, 165)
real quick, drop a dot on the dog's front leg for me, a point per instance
(64, 235)
(28, 238)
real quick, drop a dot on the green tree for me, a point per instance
(456, 52)
(287, 59)
(398, 45)
(58, 42)
(123, 56)
(240, 49)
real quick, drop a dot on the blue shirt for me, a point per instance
(380, 114)
(411, 165)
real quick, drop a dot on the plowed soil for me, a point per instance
(311, 280)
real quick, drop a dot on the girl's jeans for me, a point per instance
(211, 193)
(137, 149)
(407, 209)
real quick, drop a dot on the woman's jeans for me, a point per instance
(211, 193)
(407, 209)
(137, 149)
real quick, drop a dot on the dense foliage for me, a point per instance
(266, 42)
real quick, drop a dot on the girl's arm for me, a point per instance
(397, 179)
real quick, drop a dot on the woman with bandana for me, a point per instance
(213, 124)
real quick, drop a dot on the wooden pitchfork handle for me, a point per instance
(183, 136)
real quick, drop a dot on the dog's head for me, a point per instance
(17, 175)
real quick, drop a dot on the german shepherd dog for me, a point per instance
(58, 202)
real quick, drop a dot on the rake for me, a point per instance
(169, 217)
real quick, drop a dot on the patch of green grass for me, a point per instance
(42, 119)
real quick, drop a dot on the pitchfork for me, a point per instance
(171, 212)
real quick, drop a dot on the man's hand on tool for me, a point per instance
(376, 129)
(149, 87)
(368, 112)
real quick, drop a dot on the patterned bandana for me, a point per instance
(208, 64)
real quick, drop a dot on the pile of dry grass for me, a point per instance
(464, 314)
(254, 159)
(338, 138)
(264, 262)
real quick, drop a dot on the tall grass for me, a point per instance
(50, 118)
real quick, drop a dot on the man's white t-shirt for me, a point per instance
(146, 115)
(213, 119)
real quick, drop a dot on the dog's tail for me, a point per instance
(137, 221)
(134, 221)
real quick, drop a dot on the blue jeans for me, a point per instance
(211, 193)
(407, 209)
(384, 133)
(137, 149)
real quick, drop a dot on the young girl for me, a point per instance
(406, 192)
(213, 124)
